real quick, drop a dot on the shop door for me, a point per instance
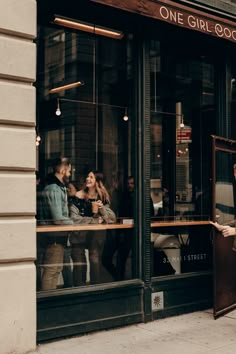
(223, 211)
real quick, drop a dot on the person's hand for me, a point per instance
(228, 231)
(217, 226)
(99, 203)
(100, 220)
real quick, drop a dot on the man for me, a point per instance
(55, 211)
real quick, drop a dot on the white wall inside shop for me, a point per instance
(17, 176)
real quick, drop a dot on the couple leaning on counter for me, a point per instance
(90, 205)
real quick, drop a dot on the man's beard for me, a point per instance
(66, 179)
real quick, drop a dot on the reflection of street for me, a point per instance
(224, 202)
(170, 245)
(157, 207)
(184, 209)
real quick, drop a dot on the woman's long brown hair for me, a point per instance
(99, 187)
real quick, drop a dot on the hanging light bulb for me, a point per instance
(58, 110)
(38, 137)
(125, 118)
(182, 121)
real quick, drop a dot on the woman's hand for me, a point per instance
(228, 231)
(217, 226)
(100, 220)
(99, 204)
(97, 207)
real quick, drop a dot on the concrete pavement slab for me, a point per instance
(194, 333)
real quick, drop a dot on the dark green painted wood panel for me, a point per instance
(181, 295)
(85, 310)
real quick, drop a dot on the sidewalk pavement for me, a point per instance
(193, 333)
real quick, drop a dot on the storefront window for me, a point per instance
(233, 100)
(84, 113)
(182, 120)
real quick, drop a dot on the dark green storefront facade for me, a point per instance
(173, 74)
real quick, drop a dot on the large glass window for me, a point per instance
(182, 120)
(85, 202)
(233, 100)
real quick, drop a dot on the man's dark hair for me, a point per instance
(59, 162)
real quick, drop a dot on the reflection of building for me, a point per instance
(225, 202)
(143, 75)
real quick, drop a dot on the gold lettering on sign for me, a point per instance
(222, 31)
(172, 16)
(179, 15)
(164, 12)
(197, 23)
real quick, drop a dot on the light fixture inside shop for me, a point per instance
(58, 110)
(125, 118)
(38, 138)
(37, 141)
(182, 121)
(66, 87)
(87, 27)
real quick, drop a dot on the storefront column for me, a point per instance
(143, 173)
(17, 176)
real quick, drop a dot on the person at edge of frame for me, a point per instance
(230, 229)
(226, 231)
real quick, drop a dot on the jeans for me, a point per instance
(117, 243)
(79, 264)
(110, 249)
(94, 242)
(53, 264)
(67, 271)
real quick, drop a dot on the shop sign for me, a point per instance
(196, 22)
(179, 15)
(183, 135)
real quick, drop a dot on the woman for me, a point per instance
(90, 205)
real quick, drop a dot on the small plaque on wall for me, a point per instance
(157, 301)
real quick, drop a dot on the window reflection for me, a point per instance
(182, 120)
(225, 187)
(233, 101)
(92, 133)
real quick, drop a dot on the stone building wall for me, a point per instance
(17, 175)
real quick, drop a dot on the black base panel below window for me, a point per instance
(87, 310)
(184, 293)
